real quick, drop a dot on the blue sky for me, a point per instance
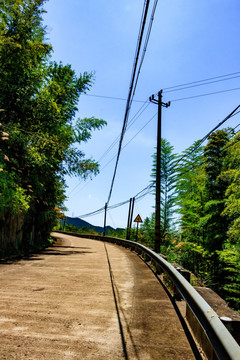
(190, 41)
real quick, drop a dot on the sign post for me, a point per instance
(138, 220)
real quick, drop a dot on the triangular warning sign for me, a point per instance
(138, 219)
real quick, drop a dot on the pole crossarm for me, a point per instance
(156, 101)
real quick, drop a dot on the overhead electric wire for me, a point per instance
(109, 212)
(140, 130)
(202, 84)
(130, 140)
(131, 122)
(206, 94)
(200, 142)
(141, 194)
(96, 212)
(192, 167)
(112, 97)
(185, 98)
(233, 135)
(182, 86)
(148, 188)
(198, 81)
(146, 43)
(132, 84)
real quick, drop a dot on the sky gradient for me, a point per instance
(190, 41)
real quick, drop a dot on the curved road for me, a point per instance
(85, 299)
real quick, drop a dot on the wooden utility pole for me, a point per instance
(160, 104)
(105, 217)
(128, 222)
(130, 215)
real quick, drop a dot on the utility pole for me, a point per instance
(160, 104)
(105, 217)
(130, 216)
(128, 222)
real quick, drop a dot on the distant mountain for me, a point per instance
(81, 223)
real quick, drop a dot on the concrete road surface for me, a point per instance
(85, 299)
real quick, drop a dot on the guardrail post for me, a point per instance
(186, 274)
(159, 270)
(233, 327)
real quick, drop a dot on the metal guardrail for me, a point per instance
(224, 345)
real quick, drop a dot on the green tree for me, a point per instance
(146, 231)
(40, 100)
(191, 196)
(215, 156)
(191, 200)
(230, 254)
(168, 186)
(232, 178)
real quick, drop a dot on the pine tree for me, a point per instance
(191, 199)
(230, 255)
(168, 187)
(191, 196)
(216, 225)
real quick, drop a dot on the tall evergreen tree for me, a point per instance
(216, 225)
(191, 200)
(191, 197)
(168, 186)
(230, 254)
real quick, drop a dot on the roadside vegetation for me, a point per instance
(204, 190)
(39, 132)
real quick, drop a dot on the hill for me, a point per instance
(82, 223)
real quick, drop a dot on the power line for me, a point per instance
(140, 130)
(192, 167)
(206, 94)
(131, 139)
(180, 99)
(199, 81)
(129, 100)
(146, 43)
(182, 86)
(141, 194)
(111, 97)
(200, 142)
(114, 155)
(131, 122)
(234, 140)
(202, 84)
(133, 82)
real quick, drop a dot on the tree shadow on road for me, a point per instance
(37, 256)
(57, 252)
